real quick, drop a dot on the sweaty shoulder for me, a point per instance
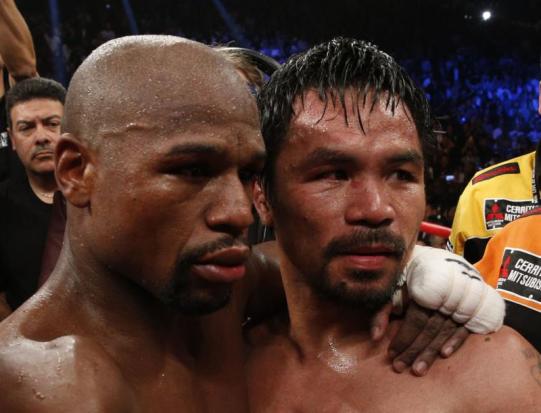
(68, 373)
(500, 372)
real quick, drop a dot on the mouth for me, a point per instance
(224, 266)
(43, 155)
(369, 258)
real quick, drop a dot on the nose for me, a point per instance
(231, 211)
(369, 204)
(43, 135)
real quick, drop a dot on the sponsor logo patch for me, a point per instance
(508, 168)
(520, 276)
(3, 140)
(500, 212)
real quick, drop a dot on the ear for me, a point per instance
(261, 204)
(75, 170)
(11, 139)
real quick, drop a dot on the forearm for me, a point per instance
(5, 309)
(16, 46)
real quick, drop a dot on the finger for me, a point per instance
(426, 358)
(455, 341)
(421, 342)
(414, 322)
(380, 322)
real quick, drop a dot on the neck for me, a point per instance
(43, 185)
(317, 324)
(114, 310)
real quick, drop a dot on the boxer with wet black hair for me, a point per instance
(346, 131)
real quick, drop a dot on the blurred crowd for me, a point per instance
(485, 103)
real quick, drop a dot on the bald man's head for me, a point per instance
(129, 77)
(161, 141)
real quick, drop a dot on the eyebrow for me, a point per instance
(407, 157)
(48, 118)
(328, 156)
(325, 156)
(193, 149)
(259, 156)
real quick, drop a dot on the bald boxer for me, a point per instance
(153, 240)
(346, 131)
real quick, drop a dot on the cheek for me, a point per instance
(304, 224)
(21, 145)
(299, 209)
(411, 208)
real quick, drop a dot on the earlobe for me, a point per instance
(262, 205)
(74, 170)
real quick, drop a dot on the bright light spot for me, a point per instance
(486, 15)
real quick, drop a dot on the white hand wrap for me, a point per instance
(440, 280)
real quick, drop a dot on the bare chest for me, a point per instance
(373, 387)
(193, 388)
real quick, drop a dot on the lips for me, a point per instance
(43, 154)
(223, 266)
(369, 258)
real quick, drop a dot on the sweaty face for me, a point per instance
(349, 203)
(172, 198)
(34, 132)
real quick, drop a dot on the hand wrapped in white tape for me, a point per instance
(440, 280)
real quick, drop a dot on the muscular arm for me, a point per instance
(16, 46)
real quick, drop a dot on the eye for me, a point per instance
(192, 171)
(23, 128)
(405, 176)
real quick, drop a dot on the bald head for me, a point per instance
(161, 140)
(131, 78)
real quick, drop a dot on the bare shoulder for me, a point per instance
(68, 373)
(500, 372)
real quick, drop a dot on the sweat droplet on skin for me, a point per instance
(338, 361)
(38, 395)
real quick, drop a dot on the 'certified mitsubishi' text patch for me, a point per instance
(520, 276)
(500, 212)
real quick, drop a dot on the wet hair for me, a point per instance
(34, 88)
(331, 69)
